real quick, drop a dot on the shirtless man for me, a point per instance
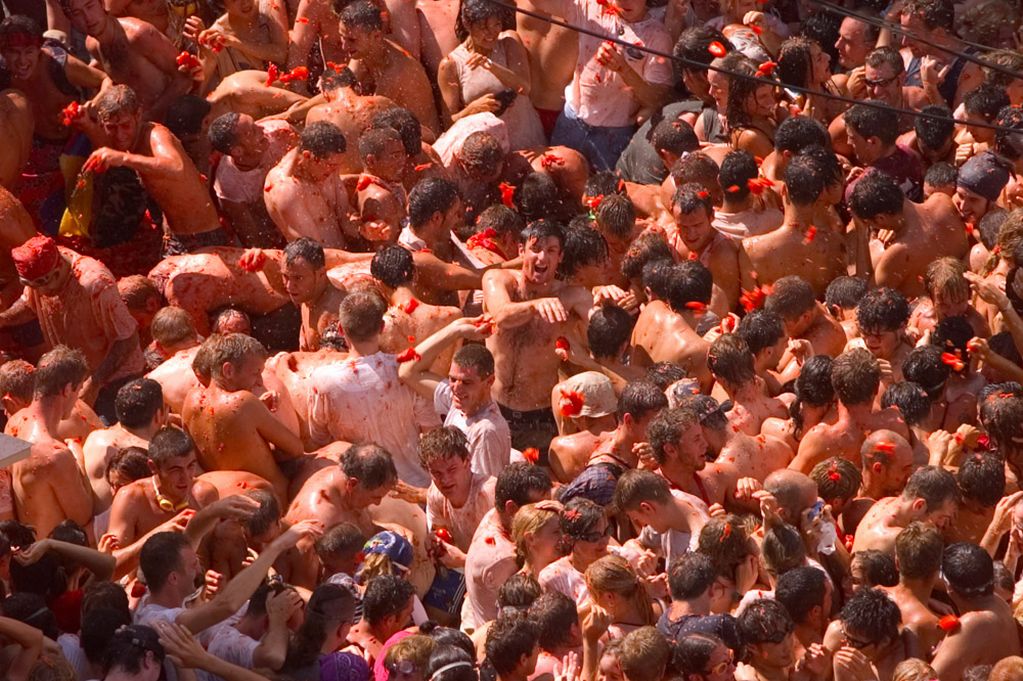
(17, 123)
(665, 331)
(591, 423)
(316, 24)
(886, 464)
(753, 457)
(856, 377)
(167, 173)
(815, 254)
(174, 333)
(16, 386)
(232, 427)
(305, 279)
(918, 551)
(140, 413)
(49, 486)
(304, 193)
(731, 363)
(133, 53)
(552, 57)
(987, 631)
(344, 493)
(915, 233)
(929, 495)
(792, 298)
(693, 238)
(350, 111)
(250, 149)
(881, 317)
(382, 67)
(531, 309)
(249, 93)
(380, 194)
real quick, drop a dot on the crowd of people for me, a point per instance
(511, 340)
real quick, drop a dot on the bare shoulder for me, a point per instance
(204, 492)
(505, 278)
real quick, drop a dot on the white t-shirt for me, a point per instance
(233, 646)
(487, 431)
(246, 186)
(461, 522)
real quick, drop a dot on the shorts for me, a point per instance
(534, 428)
(548, 117)
(179, 244)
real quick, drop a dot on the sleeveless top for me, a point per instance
(524, 128)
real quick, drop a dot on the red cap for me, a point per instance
(36, 257)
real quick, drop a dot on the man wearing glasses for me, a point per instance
(76, 300)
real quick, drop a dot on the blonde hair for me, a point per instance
(1010, 236)
(913, 669)
(612, 574)
(416, 649)
(528, 521)
(376, 565)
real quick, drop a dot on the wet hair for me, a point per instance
(690, 282)
(882, 309)
(430, 196)
(160, 557)
(481, 152)
(98, 627)
(371, 465)
(304, 248)
(116, 99)
(442, 443)
(855, 376)
(765, 620)
(827, 163)
(385, 596)
(405, 123)
(17, 380)
(127, 649)
(450, 663)
(837, 478)
(738, 167)
(934, 129)
(638, 486)
(663, 374)
(137, 292)
(341, 540)
(804, 180)
(579, 518)
(933, 13)
(265, 516)
(796, 133)
(741, 87)
(813, 385)
(845, 292)
(538, 196)
(933, 484)
(361, 315)
(647, 248)
(657, 276)
(374, 141)
(726, 542)
(509, 639)
(518, 593)
(501, 219)
(170, 442)
(675, 136)
(20, 25)
(329, 607)
(968, 570)
(800, 590)
(924, 367)
(234, 349)
(640, 398)
(518, 482)
(1002, 344)
(697, 168)
(790, 297)
(691, 656)
(130, 462)
(604, 183)
(876, 193)
(795, 61)
(334, 79)
(609, 328)
(477, 357)
(362, 14)
(874, 121)
(692, 47)
(760, 330)
(57, 369)
(393, 265)
(185, 115)
(581, 245)
(691, 197)
(912, 401)
(987, 99)
(782, 548)
(613, 574)
(872, 614)
(172, 325)
(322, 139)
(981, 478)
(616, 216)
(941, 174)
(918, 549)
(1008, 142)
(554, 615)
(137, 402)
(886, 56)
(730, 359)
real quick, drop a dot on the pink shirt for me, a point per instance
(362, 401)
(461, 522)
(88, 314)
(489, 563)
(561, 576)
(597, 94)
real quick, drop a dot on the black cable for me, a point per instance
(735, 74)
(897, 28)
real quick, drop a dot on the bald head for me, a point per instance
(887, 460)
(794, 491)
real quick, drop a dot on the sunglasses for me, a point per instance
(852, 642)
(722, 667)
(594, 537)
(879, 82)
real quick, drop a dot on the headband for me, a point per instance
(447, 667)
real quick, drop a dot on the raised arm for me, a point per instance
(30, 643)
(271, 429)
(416, 374)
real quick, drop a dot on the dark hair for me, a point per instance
(609, 328)
(363, 14)
(872, 614)
(738, 167)
(223, 132)
(130, 462)
(441, 443)
(876, 193)
(912, 401)
(845, 292)
(518, 482)
(987, 99)
(128, 647)
(371, 465)
(692, 654)
(405, 122)
(690, 282)
(393, 265)
(329, 606)
(765, 620)
(98, 627)
(796, 133)
(933, 13)
(813, 385)
(430, 196)
(692, 47)
(918, 548)
(617, 216)
(882, 309)
(580, 517)
(264, 517)
(59, 368)
(170, 442)
(457, 664)
(538, 196)
(800, 590)
(935, 128)
(675, 136)
(385, 595)
(30, 608)
(640, 398)
(648, 247)
(886, 55)
(343, 539)
(663, 374)
(968, 570)
(554, 614)
(581, 245)
(874, 121)
(804, 180)
(952, 334)
(306, 249)
(924, 367)
(657, 276)
(374, 141)
(837, 478)
(475, 356)
(760, 330)
(137, 402)
(790, 297)
(933, 484)
(855, 376)
(795, 61)
(160, 556)
(981, 478)
(730, 359)
(518, 593)
(508, 640)
(692, 197)
(322, 139)
(690, 575)
(941, 174)
(878, 568)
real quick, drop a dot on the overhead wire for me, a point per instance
(692, 63)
